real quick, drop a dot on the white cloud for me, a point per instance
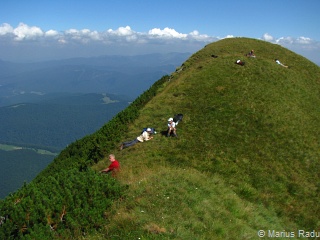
(194, 33)
(5, 28)
(304, 40)
(23, 31)
(51, 33)
(62, 41)
(121, 31)
(201, 37)
(285, 40)
(82, 36)
(288, 40)
(166, 32)
(301, 45)
(126, 38)
(123, 35)
(267, 37)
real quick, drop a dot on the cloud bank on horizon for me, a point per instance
(31, 43)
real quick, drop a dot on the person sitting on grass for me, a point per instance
(145, 136)
(171, 128)
(114, 167)
(251, 54)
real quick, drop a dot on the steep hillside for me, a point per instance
(246, 157)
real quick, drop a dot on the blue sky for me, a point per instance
(37, 30)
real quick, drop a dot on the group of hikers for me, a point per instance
(251, 54)
(146, 135)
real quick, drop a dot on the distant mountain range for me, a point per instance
(125, 75)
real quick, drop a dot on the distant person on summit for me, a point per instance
(114, 167)
(251, 54)
(278, 62)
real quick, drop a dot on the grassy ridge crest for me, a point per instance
(251, 133)
(247, 157)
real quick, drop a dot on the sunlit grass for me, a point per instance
(247, 155)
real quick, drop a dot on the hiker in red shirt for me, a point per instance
(113, 167)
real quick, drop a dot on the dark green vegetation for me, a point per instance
(247, 158)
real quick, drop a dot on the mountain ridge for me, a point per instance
(252, 127)
(246, 160)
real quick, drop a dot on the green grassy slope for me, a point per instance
(247, 155)
(246, 158)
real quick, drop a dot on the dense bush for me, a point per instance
(68, 200)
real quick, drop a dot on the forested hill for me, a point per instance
(245, 163)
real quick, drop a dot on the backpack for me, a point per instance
(153, 130)
(177, 118)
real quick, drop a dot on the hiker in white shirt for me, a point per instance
(145, 136)
(171, 128)
(277, 61)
